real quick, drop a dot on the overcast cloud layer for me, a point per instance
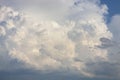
(65, 39)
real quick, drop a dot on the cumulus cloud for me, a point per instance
(111, 67)
(56, 36)
(114, 26)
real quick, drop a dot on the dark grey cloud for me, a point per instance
(104, 69)
(106, 43)
(26, 74)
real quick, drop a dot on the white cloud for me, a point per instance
(64, 38)
(111, 67)
(114, 26)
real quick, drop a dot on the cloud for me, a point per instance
(56, 36)
(114, 26)
(111, 67)
(104, 69)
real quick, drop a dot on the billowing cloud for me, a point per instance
(111, 67)
(56, 36)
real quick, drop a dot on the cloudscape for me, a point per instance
(59, 40)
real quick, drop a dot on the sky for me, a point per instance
(113, 6)
(59, 40)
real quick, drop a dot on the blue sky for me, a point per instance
(113, 6)
(59, 40)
